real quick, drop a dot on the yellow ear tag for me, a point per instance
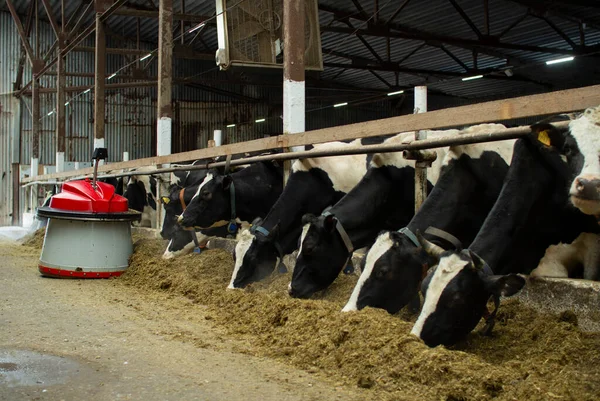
(166, 200)
(544, 138)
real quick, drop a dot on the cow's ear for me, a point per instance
(227, 180)
(505, 286)
(308, 218)
(329, 223)
(547, 135)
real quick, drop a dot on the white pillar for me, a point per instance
(164, 136)
(218, 137)
(294, 109)
(60, 162)
(34, 166)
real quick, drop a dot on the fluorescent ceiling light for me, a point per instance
(560, 60)
(473, 77)
(395, 93)
(340, 104)
(52, 112)
(66, 104)
(87, 91)
(260, 120)
(232, 125)
(112, 76)
(146, 56)
(197, 27)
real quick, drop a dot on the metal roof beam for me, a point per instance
(481, 45)
(132, 12)
(398, 11)
(456, 59)
(360, 9)
(560, 32)
(465, 17)
(23, 56)
(22, 34)
(51, 18)
(364, 42)
(379, 77)
(395, 68)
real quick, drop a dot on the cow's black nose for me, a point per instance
(587, 189)
(291, 291)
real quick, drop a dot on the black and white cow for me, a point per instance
(383, 199)
(181, 241)
(532, 212)
(215, 213)
(313, 185)
(241, 196)
(471, 180)
(140, 191)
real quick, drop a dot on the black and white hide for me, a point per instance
(532, 212)
(383, 199)
(471, 180)
(313, 185)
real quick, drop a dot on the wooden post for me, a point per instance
(420, 167)
(165, 77)
(100, 77)
(293, 73)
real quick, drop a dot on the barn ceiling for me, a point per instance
(388, 45)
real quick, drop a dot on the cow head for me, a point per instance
(255, 256)
(391, 273)
(136, 194)
(582, 148)
(321, 257)
(211, 203)
(181, 243)
(173, 209)
(456, 294)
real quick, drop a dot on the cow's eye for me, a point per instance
(207, 195)
(567, 150)
(380, 273)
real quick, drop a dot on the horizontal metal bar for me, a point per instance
(564, 101)
(460, 139)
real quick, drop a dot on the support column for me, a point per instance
(420, 167)
(165, 77)
(60, 108)
(100, 77)
(16, 192)
(35, 121)
(293, 73)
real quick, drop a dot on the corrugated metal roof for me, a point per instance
(437, 17)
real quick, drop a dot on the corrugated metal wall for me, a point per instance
(9, 112)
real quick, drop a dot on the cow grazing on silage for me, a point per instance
(313, 185)
(470, 183)
(532, 212)
(383, 199)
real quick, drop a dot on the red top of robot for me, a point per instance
(80, 196)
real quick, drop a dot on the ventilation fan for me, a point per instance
(251, 33)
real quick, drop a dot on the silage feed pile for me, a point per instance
(35, 239)
(531, 356)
